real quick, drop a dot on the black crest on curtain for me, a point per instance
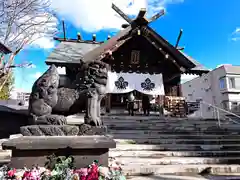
(121, 83)
(147, 85)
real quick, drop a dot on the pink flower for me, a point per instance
(34, 174)
(83, 172)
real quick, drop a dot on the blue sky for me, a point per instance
(210, 30)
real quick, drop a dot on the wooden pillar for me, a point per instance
(108, 99)
(180, 90)
(108, 103)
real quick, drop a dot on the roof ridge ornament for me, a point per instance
(140, 19)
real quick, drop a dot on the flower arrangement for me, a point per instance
(62, 168)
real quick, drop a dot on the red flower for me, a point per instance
(93, 172)
(11, 172)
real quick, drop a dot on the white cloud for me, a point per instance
(236, 34)
(95, 15)
(236, 39)
(237, 30)
(187, 77)
(44, 42)
(37, 75)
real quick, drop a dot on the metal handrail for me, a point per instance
(223, 110)
(230, 119)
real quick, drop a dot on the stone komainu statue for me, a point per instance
(49, 104)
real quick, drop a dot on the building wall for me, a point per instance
(19, 96)
(214, 88)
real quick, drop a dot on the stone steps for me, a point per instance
(174, 129)
(183, 141)
(163, 124)
(159, 154)
(161, 121)
(170, 145)
(178, 160)
(167, 177)
(160, 138)
(182, 132)
(138, 147)
(135, 170)
(195, 147)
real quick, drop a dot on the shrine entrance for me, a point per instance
(120, 85)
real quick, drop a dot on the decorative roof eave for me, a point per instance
(196, 72)
(199, 68)
(170, 49)
(4, 49)
(166, 55)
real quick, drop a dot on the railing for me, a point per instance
(220, 113)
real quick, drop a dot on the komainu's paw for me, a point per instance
(52, 120)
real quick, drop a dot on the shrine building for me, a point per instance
(143, 61)
(4, 49)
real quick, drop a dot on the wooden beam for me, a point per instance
(141, 13)
(180, 48)
(179, 37)
(64, 30)
(122, 14)
(77, 41)
(156, 16)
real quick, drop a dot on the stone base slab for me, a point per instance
(33, 150)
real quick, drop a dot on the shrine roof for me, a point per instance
(115, 42)
(198, 68)
(4, 49)
(71, 52)
(68, 52)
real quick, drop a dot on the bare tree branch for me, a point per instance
(22, 23)
(19, 18)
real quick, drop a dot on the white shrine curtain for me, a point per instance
(119, 83)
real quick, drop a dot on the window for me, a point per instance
(231, 82)
(222, 83)
(198, 100)
(234, 106)
(225, 105)
(237, 82)
(135, 57)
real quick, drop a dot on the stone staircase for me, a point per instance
(148, 145)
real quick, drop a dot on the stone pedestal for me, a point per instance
(33, 150)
